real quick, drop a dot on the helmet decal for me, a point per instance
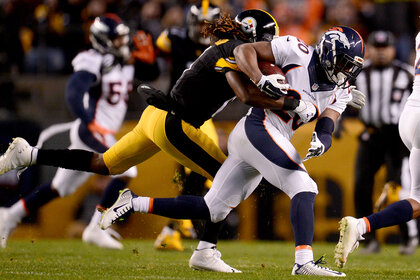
(249, 24)
(258, 25)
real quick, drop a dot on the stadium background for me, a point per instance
(38, 39)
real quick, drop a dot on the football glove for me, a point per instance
(306, 111)
(269, 84)
(144, 50)
(316, 149)
(358, 98)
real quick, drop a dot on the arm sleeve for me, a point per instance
(77, 85)
(324, 129)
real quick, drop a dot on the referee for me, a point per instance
(387, 83)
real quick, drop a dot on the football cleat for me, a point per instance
(210, 259)
(349, 240)
(101, 238)
(312, 268)
(169, 239)
(122, 208)
(7, 225)
(18, 156)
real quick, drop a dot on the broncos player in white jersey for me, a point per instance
(259, 146)
(352, 229)
(97, 94)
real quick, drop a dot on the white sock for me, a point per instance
(141, 204)
(17, 211)
(361, 226)
(303, 255)
(96, 218)
(205, 245)
(34, 155)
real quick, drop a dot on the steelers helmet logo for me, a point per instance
(249, 24)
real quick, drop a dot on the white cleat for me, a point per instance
(119, 210)
(101, 238)
(18, 156)
(312, 268)
(210, 259)
(6, 226)
(349, 240)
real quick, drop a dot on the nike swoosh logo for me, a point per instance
(288, 39)
(116, 208)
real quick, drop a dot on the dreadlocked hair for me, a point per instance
(223, 28)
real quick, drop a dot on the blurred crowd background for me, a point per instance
(39, 39)
(42, 36)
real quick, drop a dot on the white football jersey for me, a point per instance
(297, 61)
(114, 83)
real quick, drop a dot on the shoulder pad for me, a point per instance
(89, 61)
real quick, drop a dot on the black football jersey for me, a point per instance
(203, 90)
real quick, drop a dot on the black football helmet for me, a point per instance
(341, 51)
(195, 20)
(104, 30)
(258, 25)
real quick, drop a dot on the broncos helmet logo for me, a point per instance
(336, 35)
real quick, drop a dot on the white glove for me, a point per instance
(358, 98)
(316, 149)
(306, 110)
(269, 84)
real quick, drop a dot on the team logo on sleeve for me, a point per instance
(249, 24)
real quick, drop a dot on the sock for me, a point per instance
(181, 207)
(362, 226)
(18, 211)
(303, 254)
(205, 245)
(211, 232)
(34, 155)
(69, 159)
(42, 195)
(142, 204)
(96, 218)
(167, 231)
(396, 213)
(302, 217)
(112, 191)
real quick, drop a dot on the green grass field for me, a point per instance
(72, 259)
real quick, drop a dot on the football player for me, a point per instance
(172, 123)
(182, 46)
(352, 229)
(259, 146)
(97, 94)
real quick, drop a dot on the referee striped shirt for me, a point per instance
(387, 90)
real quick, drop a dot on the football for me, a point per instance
(268, 68)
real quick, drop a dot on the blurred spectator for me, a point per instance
(11, 50)
(46, 54)
(387, 84)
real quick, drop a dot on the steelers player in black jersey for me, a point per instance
(181, 46)
(172, 122)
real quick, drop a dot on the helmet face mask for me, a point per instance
(257, 25)
(108, 34)
(195, 20)
(341, 51)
